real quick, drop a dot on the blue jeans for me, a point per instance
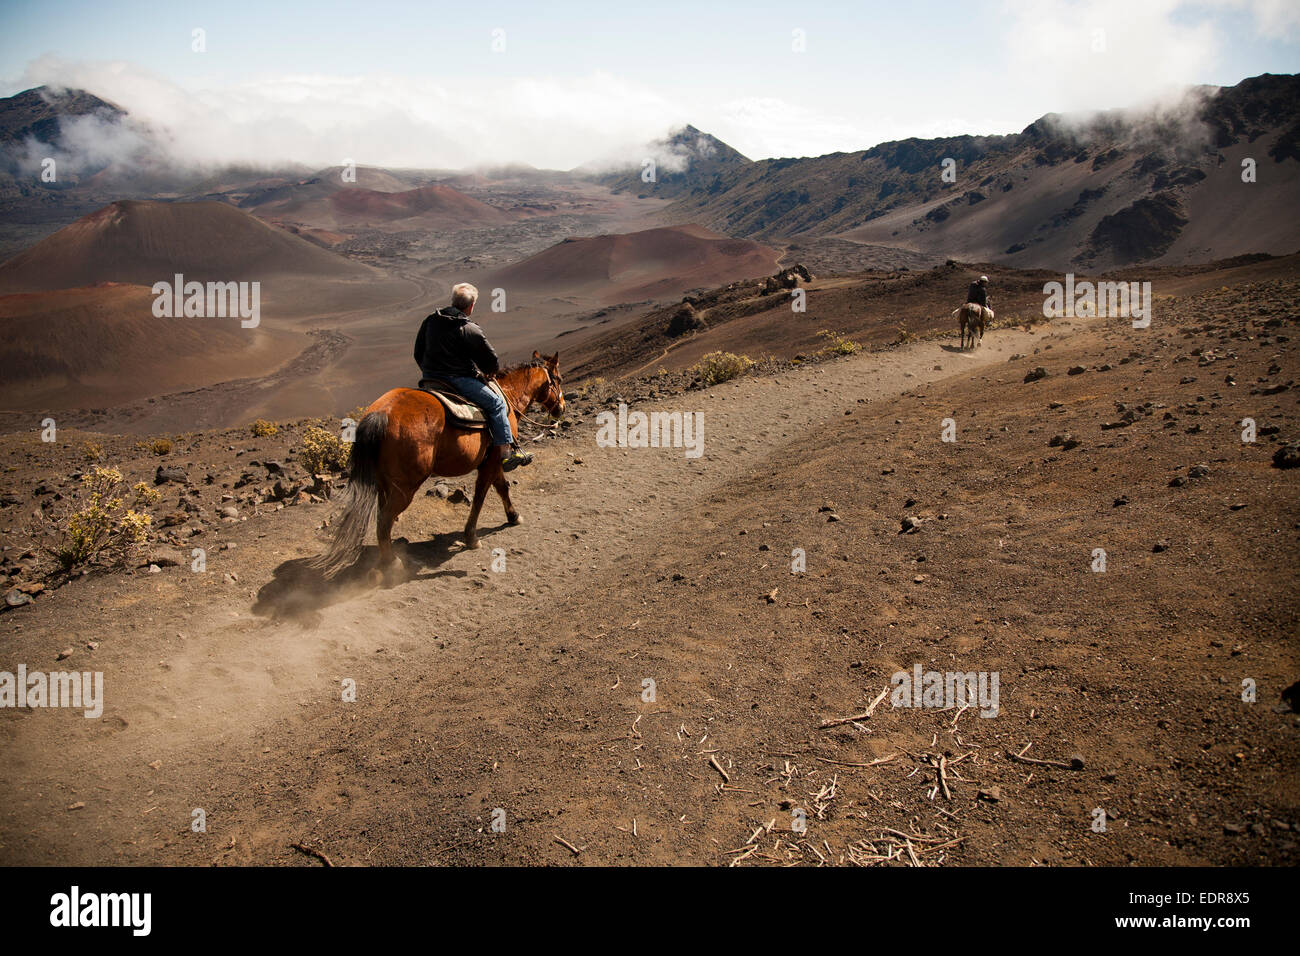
(493, 407)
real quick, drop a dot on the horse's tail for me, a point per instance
(362, 497)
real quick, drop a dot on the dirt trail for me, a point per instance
(478, 688)
(200, 670)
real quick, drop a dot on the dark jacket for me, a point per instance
(978, 294)
(450, 344)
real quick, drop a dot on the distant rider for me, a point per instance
(454, 350)
(979, 292)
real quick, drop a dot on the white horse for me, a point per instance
(973, 318)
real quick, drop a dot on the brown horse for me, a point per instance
(972, 317)
(404, 438)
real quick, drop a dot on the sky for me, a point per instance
(562, 83)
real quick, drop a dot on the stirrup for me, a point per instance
(516, 459)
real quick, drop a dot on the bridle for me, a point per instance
(554, 396)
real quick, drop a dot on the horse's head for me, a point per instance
(551, 395)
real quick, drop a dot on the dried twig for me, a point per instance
(911, 836)
(744, 853)
(838, 721)
(1075, 764)
(301, 848)
(879, 697)
(942, 846)
(871, 763)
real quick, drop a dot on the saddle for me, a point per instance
(462, 412)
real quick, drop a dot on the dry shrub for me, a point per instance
(839, 345)
(718, 367)
(323, 451)
(107, 525)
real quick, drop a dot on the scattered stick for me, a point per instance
(1072, 765)
(713, 762)
(863, 716)
(744, 853)
(943, 778)
(838, 721)
(871, 763)
(911, 836)
(301, 848)
(567, 845)
(942, 846)
(879, 697)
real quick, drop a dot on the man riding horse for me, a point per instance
(974, 313)
(406, 436)
(452, 349)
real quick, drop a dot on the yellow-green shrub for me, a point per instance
(323, 451)
(106, 524)
(719, 367)
(839, 345)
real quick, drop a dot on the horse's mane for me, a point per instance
(501, 375)
(517, 367)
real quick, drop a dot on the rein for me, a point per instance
(546, 429)
(519, 413)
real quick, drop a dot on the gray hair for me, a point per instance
(463, 296)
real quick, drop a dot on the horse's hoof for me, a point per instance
(513, 519)
(471, 542)
(375, 578)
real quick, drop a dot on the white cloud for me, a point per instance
(1090, 54)
(320, 120)
(1103, 53)
(1043, 60)
(769, 126)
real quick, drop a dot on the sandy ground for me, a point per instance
(523, 689)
